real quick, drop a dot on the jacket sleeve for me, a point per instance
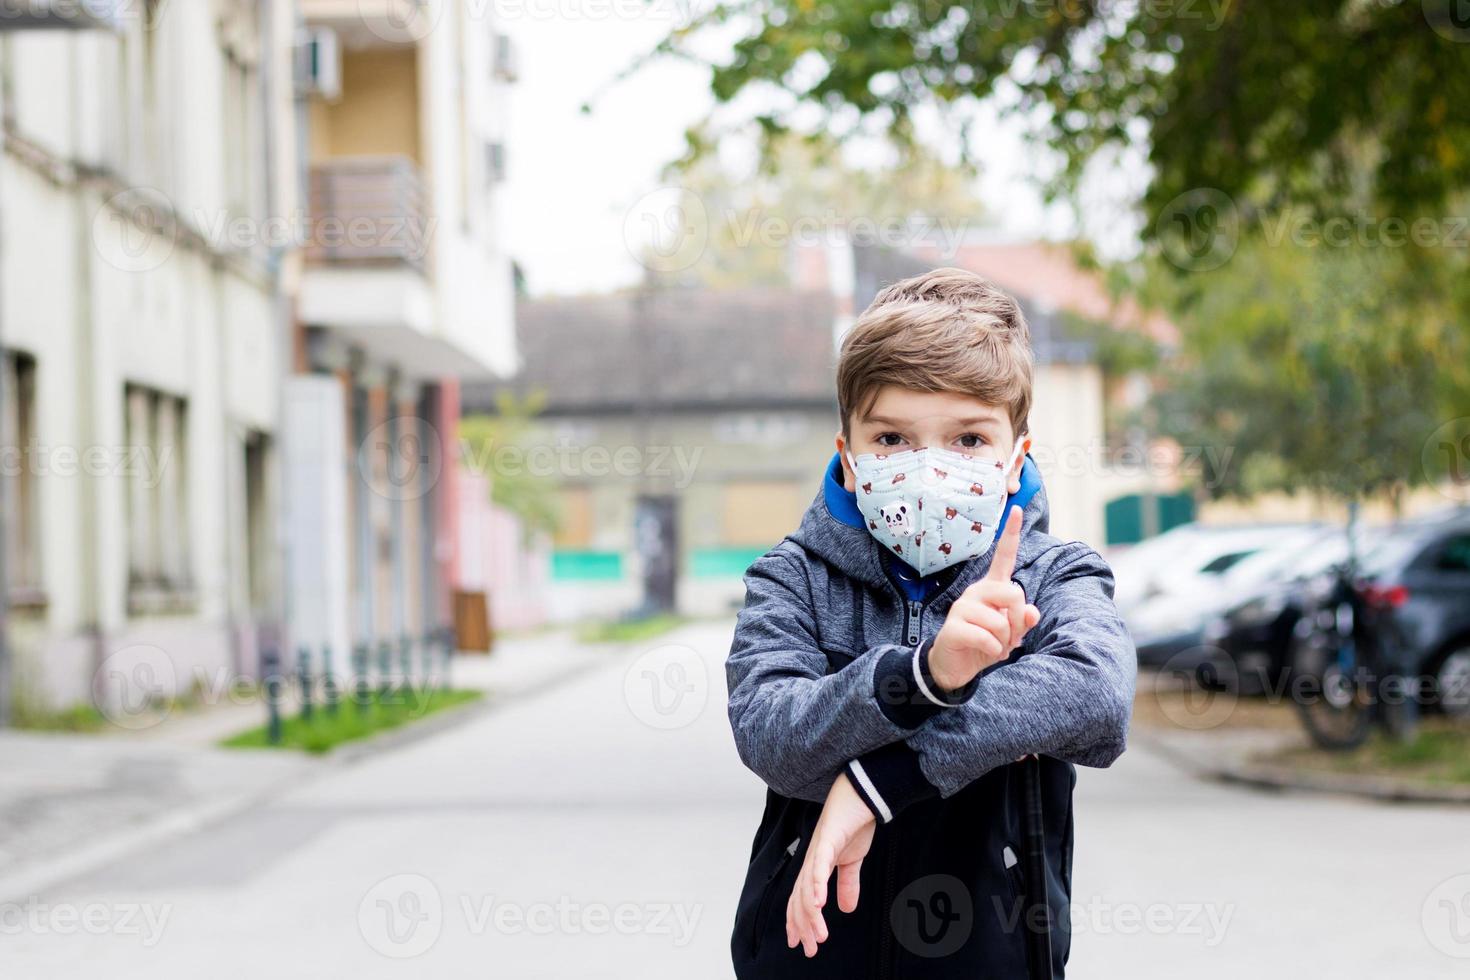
(795, 724)
(1069, 696)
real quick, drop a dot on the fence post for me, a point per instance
(303, 675)
(360, 680)
(270, 662)
(447, 638)
(329, 681)
(385, 665)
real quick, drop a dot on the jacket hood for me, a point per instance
(829, 531)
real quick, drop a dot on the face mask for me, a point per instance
(932, 507)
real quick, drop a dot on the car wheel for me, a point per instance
(1452, 682)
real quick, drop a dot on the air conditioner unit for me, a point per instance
(495, 161)
(319, 63)
(506, 68)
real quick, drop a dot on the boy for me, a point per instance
(899, 654)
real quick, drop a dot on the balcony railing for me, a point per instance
(368, 211)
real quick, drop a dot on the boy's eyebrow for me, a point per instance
(900, 423)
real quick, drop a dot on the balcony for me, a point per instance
(368, 211)
(373, 23)
(367, 278)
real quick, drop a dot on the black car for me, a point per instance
(1416, 579)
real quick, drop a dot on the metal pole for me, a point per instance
(7, 693)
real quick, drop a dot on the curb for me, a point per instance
(1260, 775)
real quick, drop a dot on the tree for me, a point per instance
(1265, 102)
(1313, 368)
(744, 222)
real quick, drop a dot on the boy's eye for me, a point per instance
(970, 440)
(890, 439)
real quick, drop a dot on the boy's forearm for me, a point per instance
(1069, 698)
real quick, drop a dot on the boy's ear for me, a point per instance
(849, 478)
(1013, 479)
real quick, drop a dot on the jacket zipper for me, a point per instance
(913, 629)
(764, 903)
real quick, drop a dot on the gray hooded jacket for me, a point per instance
(828, 669)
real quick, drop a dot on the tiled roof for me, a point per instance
(674, 348)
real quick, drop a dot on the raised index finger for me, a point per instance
(1004, 561)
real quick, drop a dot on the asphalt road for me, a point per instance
(600, 829)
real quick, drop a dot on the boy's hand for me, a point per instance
(989, 619)
(843, 834)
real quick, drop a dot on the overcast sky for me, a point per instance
(574, 178)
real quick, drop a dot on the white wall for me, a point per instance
(101, 304)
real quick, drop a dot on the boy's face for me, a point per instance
(902, 419)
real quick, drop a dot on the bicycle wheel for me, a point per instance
(1335, 702)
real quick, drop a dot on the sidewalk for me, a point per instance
(70, 803)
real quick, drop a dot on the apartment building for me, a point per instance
(249, 249)
(406, 290)
(139, 324)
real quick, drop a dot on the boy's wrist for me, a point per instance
(889, 779)
(906, 689)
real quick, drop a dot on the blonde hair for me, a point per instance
(947, 330)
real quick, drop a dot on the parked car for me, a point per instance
(1249, 642)
(1417, 584)
(1177, 587)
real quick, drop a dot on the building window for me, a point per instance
(22, 525)
(258, 554)
(158, 526)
